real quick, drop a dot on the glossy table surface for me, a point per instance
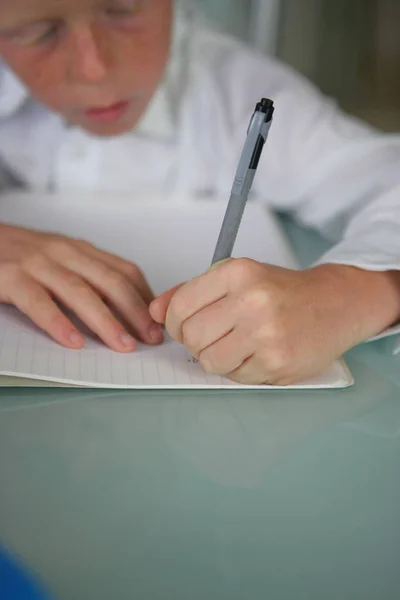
(217, 496)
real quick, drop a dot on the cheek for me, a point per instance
(41, 75)
(143, 52)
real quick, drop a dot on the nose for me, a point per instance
(88, 55)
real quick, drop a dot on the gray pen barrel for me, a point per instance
(256, 137)
(230, 228)
(234, 215)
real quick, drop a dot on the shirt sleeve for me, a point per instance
(331, 171)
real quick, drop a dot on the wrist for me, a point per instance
(369, 301)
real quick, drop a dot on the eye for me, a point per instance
(125, 8)
(35, 35)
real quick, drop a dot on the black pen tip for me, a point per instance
(265, 105)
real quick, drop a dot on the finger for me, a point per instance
(77, 295)
(226, 355)
(120, 293)
(159, 306)
(256, 371)
(253, 371)
(209, 325)
(193, 297)
(36, 303)
(218, 264)
(129, 269)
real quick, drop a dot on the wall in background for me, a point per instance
(349, 48)
(233, 16)
(254, 21)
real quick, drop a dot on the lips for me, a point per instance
(107, 114)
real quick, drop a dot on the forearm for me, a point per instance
(367, 301)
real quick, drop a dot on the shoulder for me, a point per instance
(226, 79)
(240, 76)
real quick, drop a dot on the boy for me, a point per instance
(109, 109)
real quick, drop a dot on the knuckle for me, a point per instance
(115, 279)
(35, 262)
(18, 287)
(37, 302)
(270, 332)
(240, 269)
(10, 272)
(57, 320)
(78, 287)
(132, 271)
(277, 363)
(84, 291)
(58, 247)
(264, 333)
(178, 306)
(209, 363)
(278, 359)
(257, 299)
(83, 244)
(190, 335)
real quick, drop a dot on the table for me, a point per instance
(217, 496)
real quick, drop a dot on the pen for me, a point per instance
(257, 134)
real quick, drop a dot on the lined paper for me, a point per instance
(171, 243)
(27, 352)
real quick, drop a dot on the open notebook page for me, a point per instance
(171, 242)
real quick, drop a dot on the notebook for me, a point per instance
(172, 241)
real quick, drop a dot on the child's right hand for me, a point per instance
(40, 271)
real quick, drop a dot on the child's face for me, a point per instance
(96, 62)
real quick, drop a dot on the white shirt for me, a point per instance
(332, 172)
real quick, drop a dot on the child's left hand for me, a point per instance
(259, 324)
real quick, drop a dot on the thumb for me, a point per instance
(159, 307)
(219, 263)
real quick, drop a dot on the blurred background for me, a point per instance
(349, 48)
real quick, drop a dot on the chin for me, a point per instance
(109, 129)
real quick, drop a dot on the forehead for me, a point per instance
(14, 12)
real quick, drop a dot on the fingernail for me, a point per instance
(127, 340)
(156, 333)
(76, 338)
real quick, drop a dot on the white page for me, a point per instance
(171, 242)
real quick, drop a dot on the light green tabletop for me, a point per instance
(209, 496)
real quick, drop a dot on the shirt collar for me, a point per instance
(159, 119)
